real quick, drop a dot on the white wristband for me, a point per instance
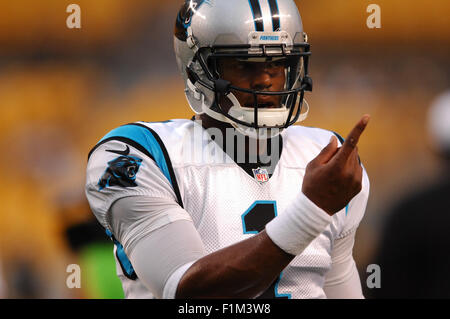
(296, 227)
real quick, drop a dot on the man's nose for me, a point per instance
(261, 80)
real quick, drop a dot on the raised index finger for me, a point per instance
(352, 139)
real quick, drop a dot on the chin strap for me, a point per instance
(304, 115)
(250, 131)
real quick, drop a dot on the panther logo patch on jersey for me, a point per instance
(121, 172)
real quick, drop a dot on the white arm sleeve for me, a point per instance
(342, 281)
(159, 238)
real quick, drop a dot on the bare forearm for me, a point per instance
(243, 270)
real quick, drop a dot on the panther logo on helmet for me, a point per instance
(184, 17)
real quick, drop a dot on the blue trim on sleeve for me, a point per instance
(125, 263)
(340, 138)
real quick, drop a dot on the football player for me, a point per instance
(196, 208)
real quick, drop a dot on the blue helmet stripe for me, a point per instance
(274, 10)
(257, 14)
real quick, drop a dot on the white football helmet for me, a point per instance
(253, 30)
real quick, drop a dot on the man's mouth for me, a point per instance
(267, 105)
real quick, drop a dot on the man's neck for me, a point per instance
(228, 130)
(268, 150)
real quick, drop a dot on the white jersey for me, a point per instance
(226, 204)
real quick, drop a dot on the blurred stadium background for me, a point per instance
(62, 89)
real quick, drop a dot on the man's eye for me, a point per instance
(275, 64)
(241, 66)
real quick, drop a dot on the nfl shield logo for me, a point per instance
(261, 175)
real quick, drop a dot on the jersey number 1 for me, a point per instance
(254, 220)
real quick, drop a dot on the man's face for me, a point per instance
(259, 76)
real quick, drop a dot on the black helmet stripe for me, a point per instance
(275, 14)
(257, 14)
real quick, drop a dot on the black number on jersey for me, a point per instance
(254, 220)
